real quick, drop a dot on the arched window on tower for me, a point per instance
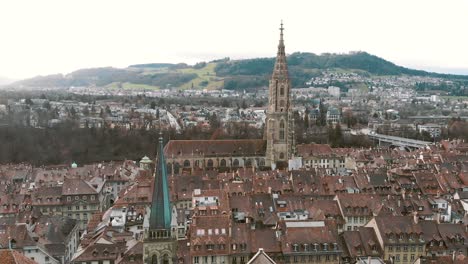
(282, 90)
(281, 130)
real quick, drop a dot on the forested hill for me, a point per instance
(225, 73)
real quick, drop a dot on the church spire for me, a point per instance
(281, 68)
(160, 216)
(279, 127)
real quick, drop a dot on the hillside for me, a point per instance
(225, 73)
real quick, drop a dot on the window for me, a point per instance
(46, 258)
(397, 258)
(282, 129)
(282, 90)
(92, 197)
(85, 207)
(413, 248)
(77, 197)
(295, 247)
(281, 155)
(77, 207)
(405, 257)
(405, 248)
(222, 163)
(210, 163)
(196, 260)
(68, 198)
(412, 257)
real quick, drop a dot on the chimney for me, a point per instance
(415, 217)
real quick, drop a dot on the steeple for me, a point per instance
(281, 68)
(160, 216)
(279, 131)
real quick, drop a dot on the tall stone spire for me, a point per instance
(160, 216)
(279, 128)
(281, 68)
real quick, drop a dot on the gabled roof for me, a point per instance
(239, 147)
(9, 256)
(77, 187)
(261, 258)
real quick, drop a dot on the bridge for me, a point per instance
(399, 141)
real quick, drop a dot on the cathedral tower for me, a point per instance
(159, 245)
(279, 131)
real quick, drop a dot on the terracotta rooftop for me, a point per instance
(241, 147)
(8, 256)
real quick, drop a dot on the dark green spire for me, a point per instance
(160, 217)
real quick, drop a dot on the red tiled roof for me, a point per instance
(8, 256)
(240, 147)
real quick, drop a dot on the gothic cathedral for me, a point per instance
(279, 131)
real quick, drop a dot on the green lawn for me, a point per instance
(206, 73)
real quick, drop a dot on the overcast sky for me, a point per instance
(48, 36)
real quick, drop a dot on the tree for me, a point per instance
(85, 111)
(72, 112)
(153, 105)
(322, 118)
(244, 105)
(306, 120)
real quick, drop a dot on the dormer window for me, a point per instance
(306, 247)
(315, 246)
(325, 246)
(295, 247)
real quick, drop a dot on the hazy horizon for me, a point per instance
(52, 36)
